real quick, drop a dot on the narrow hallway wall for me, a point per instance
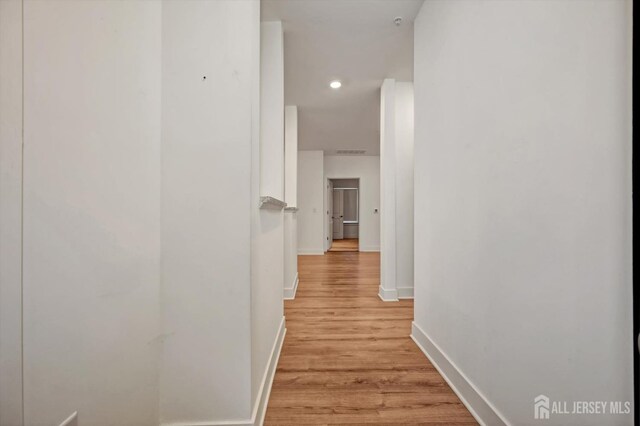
(267, 224)
(135, 119)
(210, 125)
(92, 88)
(523, 203)
(10, 212)
(291, 197)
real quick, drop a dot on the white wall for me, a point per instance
(92, 76)
(10, 212)
(136, 117)
(267, 227)
(367, 168)
(404, 188)
(290, 253)
(290, 197)
(388, 288)
(523, 199)
(272, 119)
(291, 155)
(396, 165)
(207, 135)
(310, 202)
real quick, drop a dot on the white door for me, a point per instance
(338, 214)
(330, 213)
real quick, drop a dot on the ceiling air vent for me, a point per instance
(351, 151)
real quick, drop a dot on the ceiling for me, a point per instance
(354, 41)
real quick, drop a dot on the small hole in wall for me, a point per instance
(204, 77)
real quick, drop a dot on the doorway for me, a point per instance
(344, 222)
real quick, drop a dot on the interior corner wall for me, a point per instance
(367, 169)
(209, 128)
(10, 212)
(523, 200)
(311, 202)
(91, 273)
(267, 225)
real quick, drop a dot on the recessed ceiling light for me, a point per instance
(335, 84)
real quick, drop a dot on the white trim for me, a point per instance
(388, 295)
(262, 399)
(290, 293)
(481, 409)
(260, 406)
(311, 252)
(72, 420)
(370, 248)
(405, 292)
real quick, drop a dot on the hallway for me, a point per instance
(347, 356)
(346, 244)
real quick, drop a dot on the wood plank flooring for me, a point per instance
(347, 357)
(346, 244)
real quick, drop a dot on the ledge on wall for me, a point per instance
(291, 209)
(271, 203)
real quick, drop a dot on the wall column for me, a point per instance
(290, 197)
(396, 190)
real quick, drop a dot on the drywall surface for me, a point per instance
(367, 168)
(291, 155)
(404, 186)
(10, 212)
(388, 188)
(92, 76)
(290, 252)
(208, 128)
(272, 113)
(310, 202)
(267, 227)
(396, 164)
(523, 199)
(291, 197)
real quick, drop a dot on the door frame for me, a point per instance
(329, 237)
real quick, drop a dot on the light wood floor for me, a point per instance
(347, 357)
(347, 244)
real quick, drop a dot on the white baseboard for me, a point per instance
(290, 293)
(310, 252)
(388, 295)
(260, 406)
(405, 293)
(481, 409)
(262, 399)
(369, 248)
